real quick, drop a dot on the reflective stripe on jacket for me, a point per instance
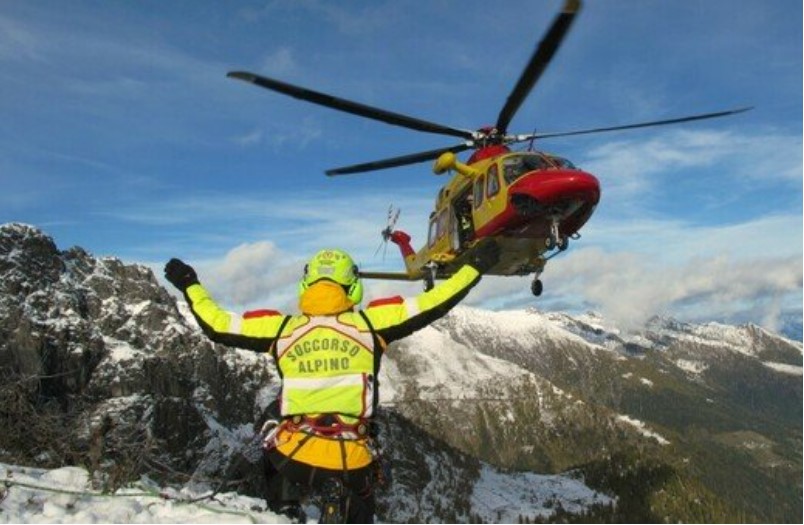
(327, 366)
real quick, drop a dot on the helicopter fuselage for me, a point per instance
(529, 202)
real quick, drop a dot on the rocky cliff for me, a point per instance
(487, 416)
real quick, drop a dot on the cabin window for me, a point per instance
(478, 190)
(438, 226)
(443, 222)
(517, 165)
(492, 181)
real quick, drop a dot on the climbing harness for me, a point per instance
(328, 425)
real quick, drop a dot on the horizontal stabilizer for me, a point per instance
(388, 276)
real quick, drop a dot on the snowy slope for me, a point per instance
(65, 495)
(504, 498)
(588, 334)
(441, 367)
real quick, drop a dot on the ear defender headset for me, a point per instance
(337, 266)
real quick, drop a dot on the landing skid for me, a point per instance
(555, 239)
(429, 275)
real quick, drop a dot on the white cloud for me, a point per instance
(280, 62)
(299, 135)
(630, 289)
(634, 271)
(250, 274)
(259, 275)
(251, 138)
(677, 241)
(370, 18)
(265, 271)
(17, 42)
(628, 167)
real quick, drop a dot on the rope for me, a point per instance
(11, 483)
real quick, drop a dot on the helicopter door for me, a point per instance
(464, 224)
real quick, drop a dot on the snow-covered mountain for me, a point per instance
(487, 416)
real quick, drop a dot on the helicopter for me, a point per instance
(531, 203)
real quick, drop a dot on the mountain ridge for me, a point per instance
(631, 419)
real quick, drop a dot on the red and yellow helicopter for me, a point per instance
(531, 203)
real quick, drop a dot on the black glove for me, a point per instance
(485, 256)
(179, 274)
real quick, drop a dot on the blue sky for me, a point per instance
(122, 134)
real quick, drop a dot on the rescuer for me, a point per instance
(329, 359)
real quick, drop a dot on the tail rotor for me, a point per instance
(393, 216)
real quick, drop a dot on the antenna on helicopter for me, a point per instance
(393, 216)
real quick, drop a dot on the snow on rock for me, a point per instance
(734, 337)
(784, 368)
(524, 327)
(642, 428)
(693, 367)
(504, 497)
(122, 352)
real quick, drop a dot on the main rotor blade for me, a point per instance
(538, 62)
(632, 126)
(355, 108)
(398, 161)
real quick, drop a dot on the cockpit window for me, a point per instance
(517, 165)
(561, 162)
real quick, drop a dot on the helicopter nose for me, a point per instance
(525, 205)
(541, 190)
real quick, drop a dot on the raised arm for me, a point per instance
(252, 331)
(398, 317)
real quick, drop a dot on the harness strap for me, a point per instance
(378, 351)
(343, 460)
(328, 426)
(275, 344)
(347, 493)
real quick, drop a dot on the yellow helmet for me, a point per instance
(337, 266)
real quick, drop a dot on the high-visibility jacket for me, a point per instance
(329, 356)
